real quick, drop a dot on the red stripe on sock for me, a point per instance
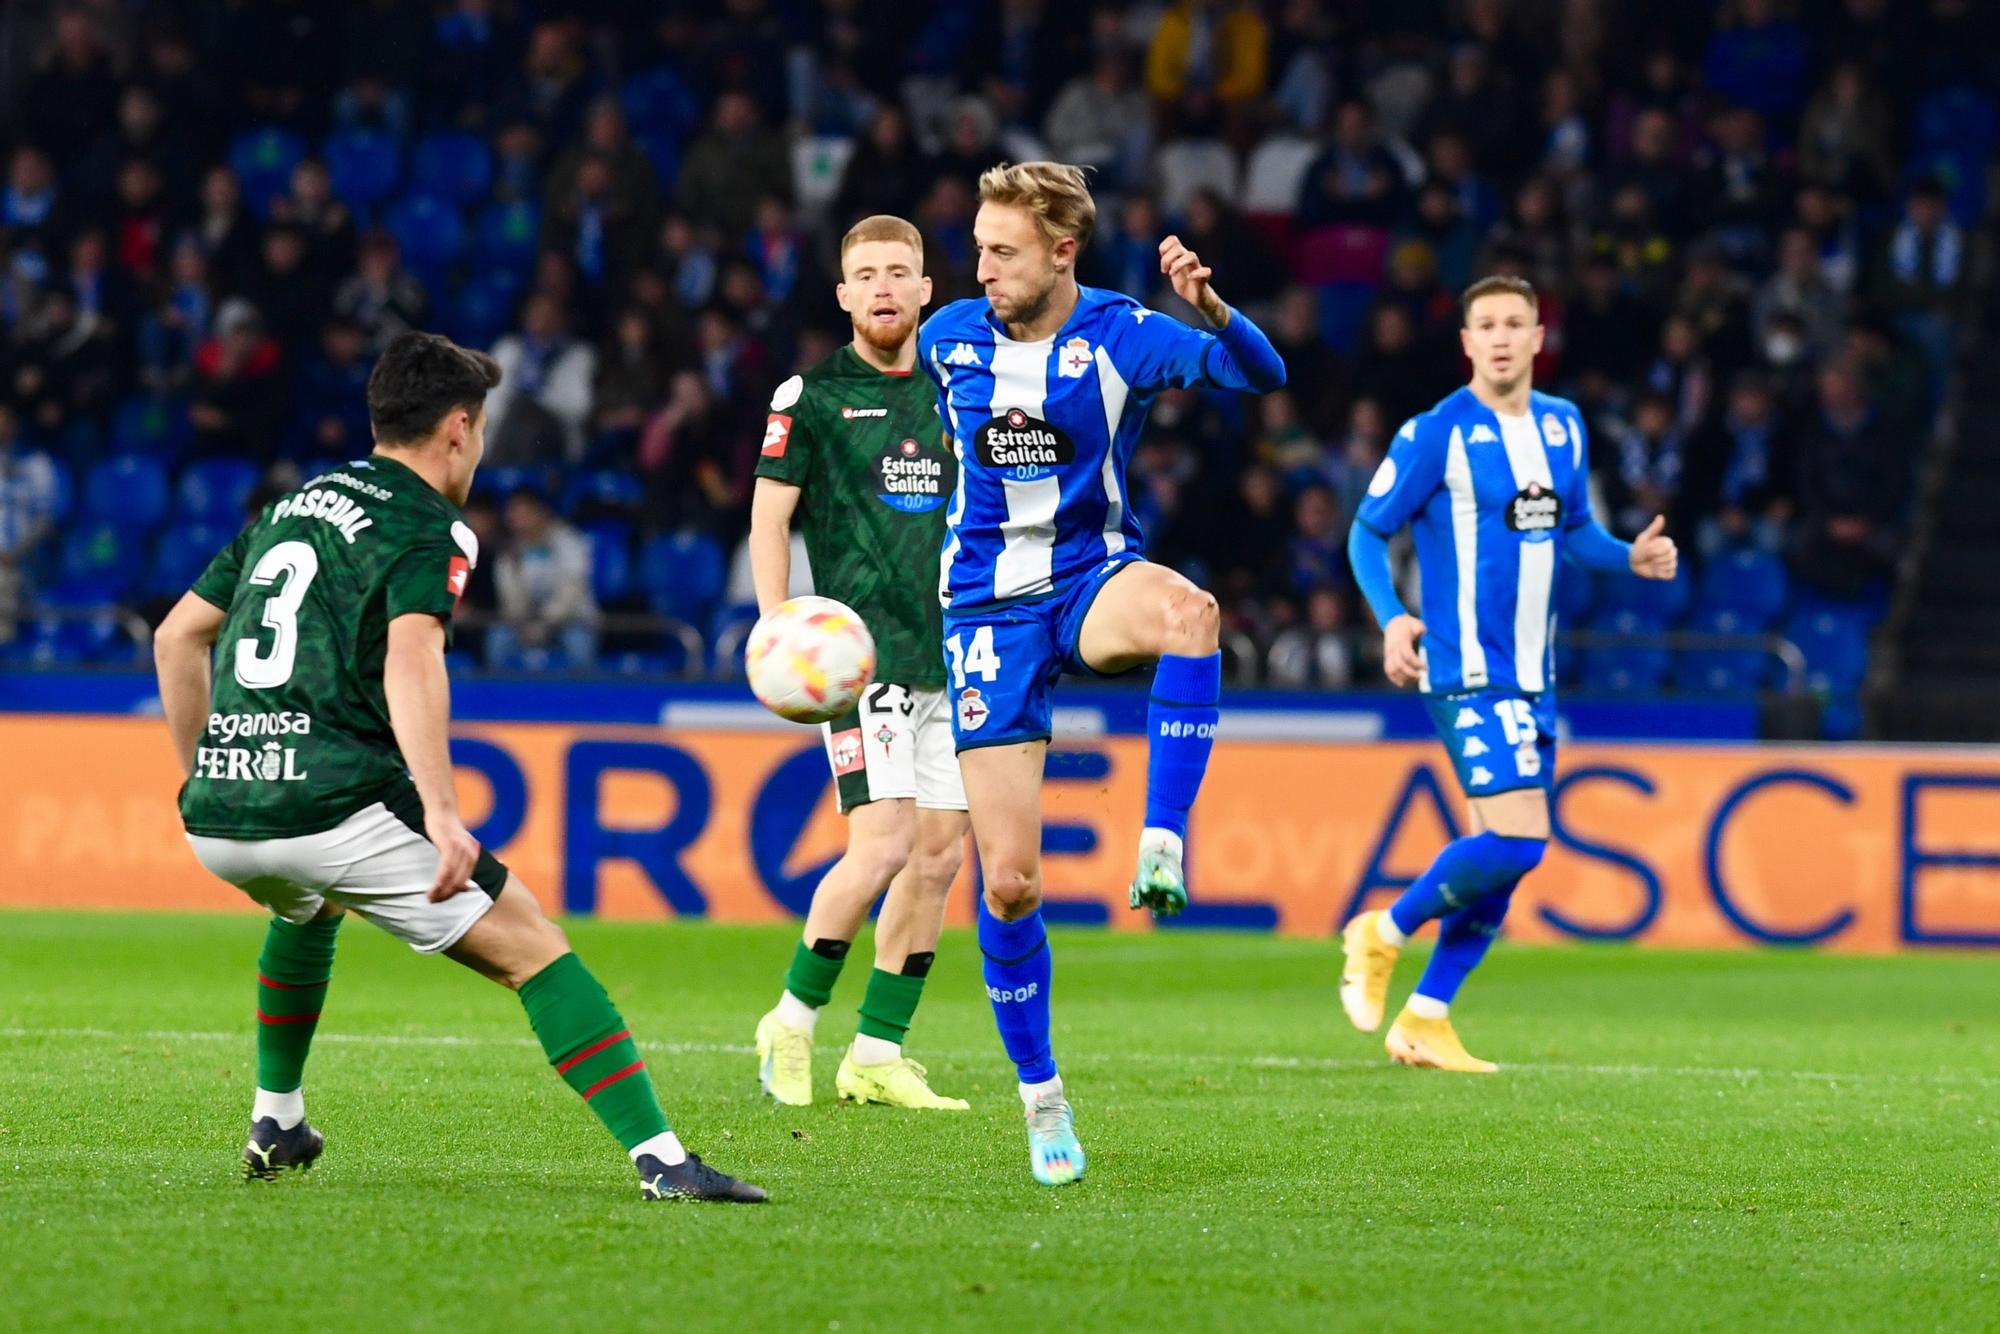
(592, 1050)
(264, 981)
(608, 1080)
(263, 1018)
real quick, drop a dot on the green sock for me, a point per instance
(888, 1003)
(815, 968)
(292, 974)
(590, 1048)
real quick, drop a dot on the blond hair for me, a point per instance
(1499, 284)
(883, 227)
(1055, 192)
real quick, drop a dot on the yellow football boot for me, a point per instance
(1414, 1040)
(897, 1083)
(1364, 978)
(784, 1061)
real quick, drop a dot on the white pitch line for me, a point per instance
(1261, 1061)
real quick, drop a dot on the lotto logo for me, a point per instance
(456, 577)
(1206, 731)
(777, 431)
(1014, 995)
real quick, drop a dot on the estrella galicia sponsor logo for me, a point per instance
(1023, 448)
(1013, 995)
(1535, 511)
(913, 479)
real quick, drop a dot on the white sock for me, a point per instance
(795, 1013)
(288, 1109)
(1428, 1007)
(666, 1146)
(1392, 933)
(1152, 838)
(1031, 1093)
(870, 1050)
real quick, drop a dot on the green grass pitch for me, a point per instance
(1681, 1141)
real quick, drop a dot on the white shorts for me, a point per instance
(895, 742)
(372, 862)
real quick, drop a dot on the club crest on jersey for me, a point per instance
(1534, 512)
(1075, 359)
(1553, 432)
(911, 480)
(961, 354)
(972, 710)
(847, 752)
(1022, 448)
(885, 737)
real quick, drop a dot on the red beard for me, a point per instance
(885, 337)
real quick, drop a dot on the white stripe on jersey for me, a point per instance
(1111, 385)
(957, 510)
(1026, 563)
(1465, 550)
(1528, 460)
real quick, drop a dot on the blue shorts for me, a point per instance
(1001, 663)
(1500, 740)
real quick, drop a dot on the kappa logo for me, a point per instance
(1409, 431)
(972, 711)
(1467, 717)
(1474, 748)
(961, 354)
(851, 413)
(1482, 434)
(777, 432)
(1139, 315)
(847, 752)
(1553, 432)
(1076, 358)
(1481, 775)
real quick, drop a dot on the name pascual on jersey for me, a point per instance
(345, 513)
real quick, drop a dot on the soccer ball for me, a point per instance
(809, 659)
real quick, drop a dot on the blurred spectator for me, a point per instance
(1844, 139)
(289, 293)
(1227, 244)
(323, 220)
(331, 399)
(1853, 486)
(543, 582)
(781, 252)
(608, 139)
(950, 260)
(1286, 443)
(1100, 120)
(101, 292)
(1606, 325)
(517, 162)
(1317, 652)
(1829, 219)
(380, 295)
(687, 257)
(1315, 374)
(599, 224)
(541, 410)
(1442, 228)
(1740, 472)
(1206, 62)
(1757, 58)
(139, 223)
(226, 231)
(631, 379)
(1716, 302)
(1646, 480)
(1737, 185)
(28, 494)
(1318, 552)
(73, 90)
(688, 457)
(66, 367)
(1920, 272)
(1681, 373)
(1125, 254)
(177, 324)
(1799, 289)
(28, 208)
(1249, 551)
(239, 397)
(1363, 446)
(733, 165)
(886, 174)
(556, 80)
(1354, 180)
(1393, 366)
(971, 132)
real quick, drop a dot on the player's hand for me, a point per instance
(1190, 276)
(457, 851)
(1654, 555)
(1402, 659)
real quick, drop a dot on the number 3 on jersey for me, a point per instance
(978, 659)
(297, 563)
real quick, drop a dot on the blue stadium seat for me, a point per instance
(65, 495)
(1343, 309)
(507, 235)
(611, 561)
(1834, 638)
(73, 641)
(99, 563)
(430, 233)
(130, 489)
(1576, 594)
(1960, 120)
(682, 574)
(1720, 671)
(365, 166)
(1626, 667)
(319, 468)
(732, 621)
(183, 552)
(263, 159)
(504, 482)
(1748, 581)
(1661, 600)
(1840, 718)
(484, 308)
(659, 104)
(671, 662)
(603, 491)
(452, 165)
(149, 424)
(217, 491)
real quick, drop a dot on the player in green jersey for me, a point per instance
(854, 454)
(319, 774)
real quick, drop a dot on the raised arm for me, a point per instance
(1232, 354)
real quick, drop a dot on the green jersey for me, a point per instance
(298, 734)
(866, 449)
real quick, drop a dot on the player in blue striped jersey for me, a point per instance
(1044, 387)
(1494, 485)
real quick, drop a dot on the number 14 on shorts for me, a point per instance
(974, 659)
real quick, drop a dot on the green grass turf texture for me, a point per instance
(1682, 1141)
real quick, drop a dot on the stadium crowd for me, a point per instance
(1755, 228)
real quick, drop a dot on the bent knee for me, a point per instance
(1013, 892)
(1190, 621)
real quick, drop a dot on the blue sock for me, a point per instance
(1467, 870)
(1018, 970)
(1180, 725)
(1464, 936)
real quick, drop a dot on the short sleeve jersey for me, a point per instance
(298, 734)
(866, 450)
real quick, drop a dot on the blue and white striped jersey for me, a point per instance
(1491, 500)
(1043, 433)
